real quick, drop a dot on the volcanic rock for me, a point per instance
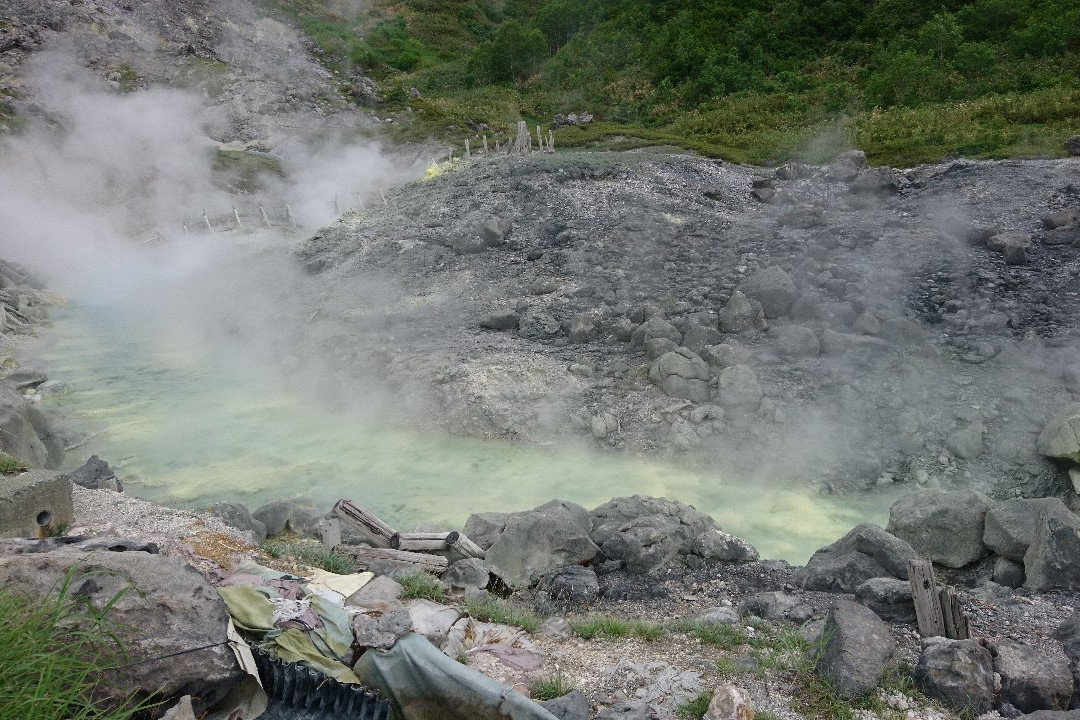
(1061, 436)
(857, 646)
(532, 542)
(957, 673)
(946, 527)
(866, 552)
(1032, 678)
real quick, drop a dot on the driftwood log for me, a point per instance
(360, 519)
(423, 541)
(376, 559)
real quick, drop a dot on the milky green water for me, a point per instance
(194, 425)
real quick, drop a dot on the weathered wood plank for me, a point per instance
(423, 542)
(956, 622)
(467, 547)
(375, 530)
(379, 559)
(927, 602)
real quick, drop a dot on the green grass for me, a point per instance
(597, 625)
(490, 608)
(549, 687)
(422, 585)
(696, 707)
(53, 651)
(9, 465)
(725, 637)
(312, 554)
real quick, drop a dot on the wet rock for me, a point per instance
(772, 288)
(95, 474)
(957, 673)
(648, 533)
(946, 527)
(281, 514)
(236, 514)
(1032, 678)
(866, 552)
(889, 598)
(572, 706)
(1010, 524)
(23, 380)
(737, 388)
(554, 534)
(26, 433)
(161, 608)
(857, 646)
(1052, 561)
(383, 631)
(1061, 436)
(682, 374)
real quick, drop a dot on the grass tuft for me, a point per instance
(490, 608)
(9, 465)
(694, 708)
(422, 585)
(549, 687)
(53, 652)
(597, 625)
(312, 554)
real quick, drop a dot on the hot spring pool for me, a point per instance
(186, 426)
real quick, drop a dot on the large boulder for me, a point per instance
(945, 526)
(529, 543)
(864, 553)
(682, 374)
(1032, 678)
(1052, 561)
(740, 314)
(1068, 633)
(1010, 524)
(26, 433)
(648, 533)
(1061, 436)
(957, 673)
(773, 288)
(237, 515)
(161, 608)
(857, 644)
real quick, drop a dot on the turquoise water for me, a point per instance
(188, 425)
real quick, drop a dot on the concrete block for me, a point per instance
(35, 503)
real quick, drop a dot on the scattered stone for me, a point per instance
(698, 336)
(857, 646)
(773, 605)
(502, 320)
(383, 631)
(1012, 245)
(236, 514)
(866, 552)
(570, 585)
(572, 706)
(655, 327)
(378, 594)
(802, 217)
(1061, 218)
(682, 374)
(729, 703)
(737, 388)
(798, 341)
(847, 165)
(957, 673)
(719, 615)
(1008, 573)
(889, 598)
(772, 288)
(738, 315)
(725, 355)
(1061, 436)
(657, 347)
(1032, 678)
(629, 710)
(946, 527)
(966, 441)
(431, 619)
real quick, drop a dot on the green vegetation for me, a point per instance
(10, 465)
(549, 687)
(52, 653)
(490, 608)
(597, 625)
(906, 80)
(311, 554)
(422, 585)
(696, 707)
